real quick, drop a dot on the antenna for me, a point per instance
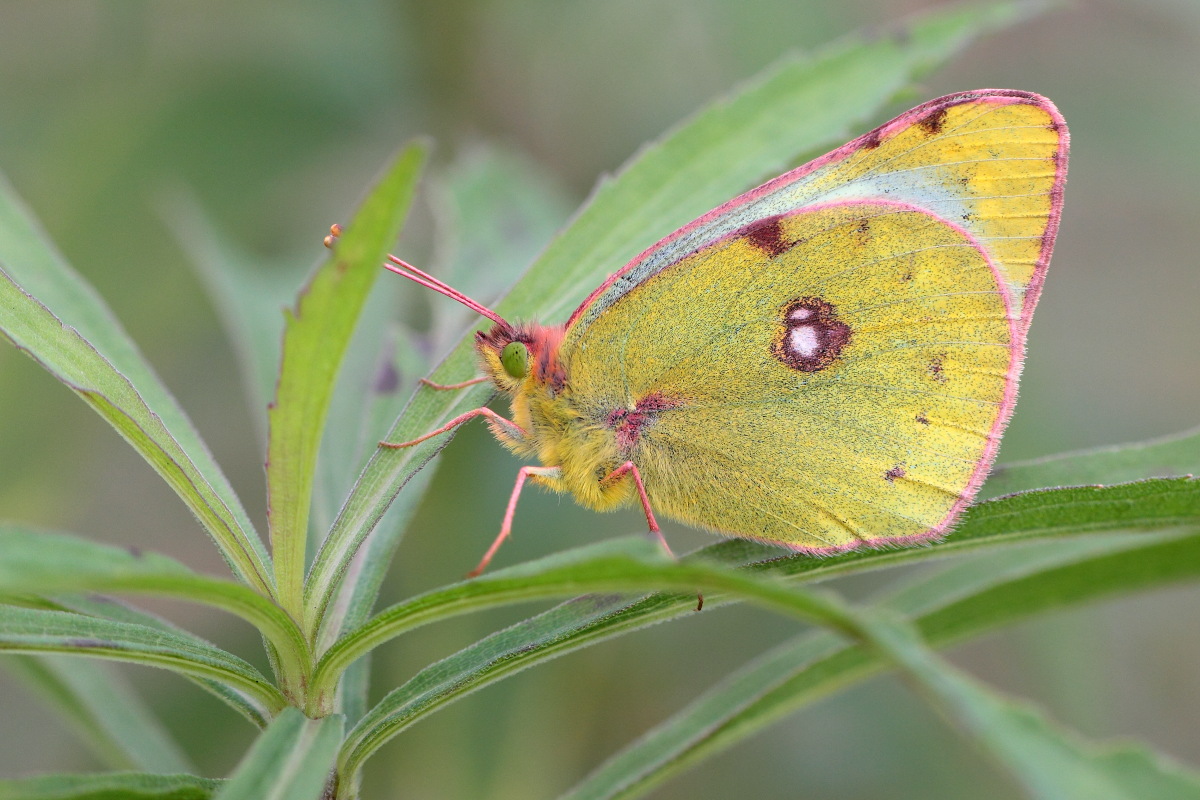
(403, 268)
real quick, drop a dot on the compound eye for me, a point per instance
(515, 359)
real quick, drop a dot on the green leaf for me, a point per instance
(1049, 762)
(614, 566)
(70, 332)
(315, 338)
(109, 786)
(292, 760)
(109, 608)
(44, 564)
(1161, 505)
(1157, 504)
(959, 602)
(1178, 454)
(796, 108)
(24, 630)
(106, 713)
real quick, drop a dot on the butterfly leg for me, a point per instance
(506, 527)
(630, 468)
(442, 387)
(500, 426)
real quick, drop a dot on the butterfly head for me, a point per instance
(515, 355)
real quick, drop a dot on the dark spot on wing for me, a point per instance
(767, 235)
(810, 336)
(934, 121)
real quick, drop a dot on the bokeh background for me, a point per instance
(272, 117)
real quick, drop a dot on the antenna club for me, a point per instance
(335, 231)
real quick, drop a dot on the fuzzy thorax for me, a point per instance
(552, 427)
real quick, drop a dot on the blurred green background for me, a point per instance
(274, 116)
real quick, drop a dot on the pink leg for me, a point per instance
(507, 425)
(450, 386)
(506, 526)
(621, 471)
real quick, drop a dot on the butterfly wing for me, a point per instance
(992, 162)
(839, 371)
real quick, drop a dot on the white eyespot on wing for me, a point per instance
(804, 341)
(800, 314)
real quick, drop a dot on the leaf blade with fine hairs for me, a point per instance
(315, 338)
(106, 786)
(1174, 455)
(291, 760)
(950, 606)
(1158, 506)
(25, 630)
(45, 564)
(93, 605)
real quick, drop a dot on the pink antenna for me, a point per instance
(403, 268)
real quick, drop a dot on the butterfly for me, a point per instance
(823, 363)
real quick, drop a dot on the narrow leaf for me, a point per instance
(292, 760)
(24, 630)
(45, 564)
(109, 786)
(94, 605)
(72, 333)
(1149, 505)
(1048, 761)
(795, 108)
(609, 567)
(64, 353)
(950, 606)
(614, 565)
(316, 335)
(1169, 456)
(1157, 504)
(495, 214)
(589, 619)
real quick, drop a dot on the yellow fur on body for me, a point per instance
(558, 435)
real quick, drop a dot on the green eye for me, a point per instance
(515, 358)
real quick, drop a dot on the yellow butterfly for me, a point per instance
(825, 362)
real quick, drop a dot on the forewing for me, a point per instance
(821, 379)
